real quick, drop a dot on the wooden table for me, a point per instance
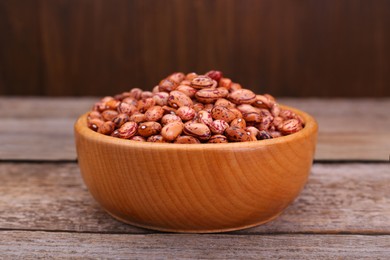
(46, 211)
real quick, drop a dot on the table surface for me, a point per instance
(46, 210)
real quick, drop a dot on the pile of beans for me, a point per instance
(190, 109)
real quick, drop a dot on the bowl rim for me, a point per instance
(310, 128)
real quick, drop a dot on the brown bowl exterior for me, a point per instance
(195, 187)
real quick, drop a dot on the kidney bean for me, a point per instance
(186, 139)
(242, 96)
(237, 134)
(161, 98)
(217, 139)
(178, 99)
(214, 74)
(127, 130)
(172, 130)
(177, 77)
(147, 129)
(109, 115)
(239, 122)
(198, 130)
(210, 95)
(120, 119)
(154, 113)
(167, 85)
(290, 126)
(169, 118)
(186, 113)
(137, 138)
(222, 113)
(218, 126)
(200, 82)
(204, 117)
(156, 139)
(187, 90)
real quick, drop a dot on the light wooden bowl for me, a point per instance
(195, 187)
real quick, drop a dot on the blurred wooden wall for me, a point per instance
(333, 48)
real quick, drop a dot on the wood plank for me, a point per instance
(29, 245)
(339, 198)
(42, 128)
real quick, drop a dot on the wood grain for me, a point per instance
(28, 245)
(42, 128)
(339, 198)
(291, 48)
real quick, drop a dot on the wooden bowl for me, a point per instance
(195, 187)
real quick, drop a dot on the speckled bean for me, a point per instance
(200, 82)
(178, 99)
(186, 113)
(198, 130)
(242, 96)
(154, 113)
(217, 139)
(222, 113)
(172, 130)
(218, 126)
(147, 129)
(237, 134)
(186, 139)
(127, 130)
(290, 126)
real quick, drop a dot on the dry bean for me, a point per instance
(234, 87)
(198, 130)
(239, 122)
(200, 82)
(127, 130)
(94, 114)
(204, 117)
(112, 104)
(190, 76)
(198, 107)
(217, 139)
(208, 107)
(178, 99)
(214, 74)
(186, 113)
(130, 101)
(275, 110)
(262, 135)
(186, 139)
(236, 112)
(225, 83)
(290, 126)
(169, 118)
(242, 96)
(161, 98)
(120, 119)
(167, 85)
(177, 77)
(172, 130)
(136, 93)
(107, 128)
(147, 129)
(154, 113)
(146, 94)
(109, 115)
(252, 117)
(218, 126)
(145, 104)
(222, 113)
(225, 103)
(169, 110)
(237, 134)
(156, 139)
(187, 90)
(210, 95)
(137, 138)
(137, 117)
(95, 123)
(253, 130)
(263, 102)
(126, 108)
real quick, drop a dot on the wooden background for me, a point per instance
(301, 48)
